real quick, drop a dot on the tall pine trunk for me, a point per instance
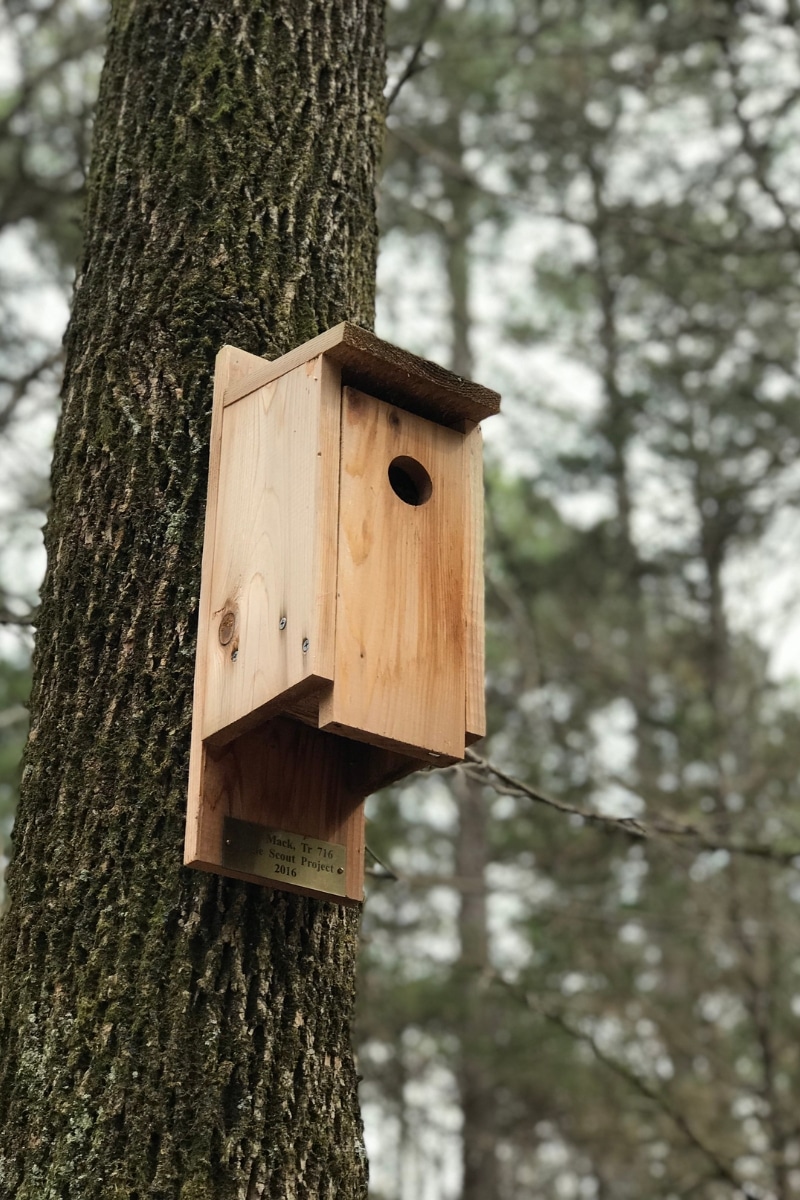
(165, 1033)
(476, 1086)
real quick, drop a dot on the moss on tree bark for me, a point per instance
(165, 1033)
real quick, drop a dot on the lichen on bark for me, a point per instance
(165, 1033)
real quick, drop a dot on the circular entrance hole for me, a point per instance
(410, 481)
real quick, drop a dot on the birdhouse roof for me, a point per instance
(385, 371)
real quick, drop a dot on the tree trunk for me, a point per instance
(165, 1033)
(480, 1178)
(477, 1092)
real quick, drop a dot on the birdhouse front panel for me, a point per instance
(399, 664)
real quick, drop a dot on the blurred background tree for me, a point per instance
(50, 55)
(601, 209)
(594, 207)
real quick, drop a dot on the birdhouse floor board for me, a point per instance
(301, 700)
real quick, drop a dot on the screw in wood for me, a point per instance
(282, 623)
(306, 644)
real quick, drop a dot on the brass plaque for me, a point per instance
(283, 857)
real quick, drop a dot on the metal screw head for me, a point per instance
(282, 623)
(306, 644)
(340, 870)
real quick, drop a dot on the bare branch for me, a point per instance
(414, 65)
(680, 832)
(16, 715)
(86, 35)
(722, 1170)
(386, 871)
(19, 387)
(9, 618)
(758, 152)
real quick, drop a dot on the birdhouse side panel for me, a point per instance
(273, 571)
(474, 603)
(232, 365)
(399, 673)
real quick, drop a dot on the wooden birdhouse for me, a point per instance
(340, 641)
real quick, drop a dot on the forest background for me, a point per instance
(580, 971)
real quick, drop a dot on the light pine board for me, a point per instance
(274, 551)
(288, 776)
(231, 365)
(400, 638)
(475, 722)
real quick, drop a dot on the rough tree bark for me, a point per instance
(165, 1033)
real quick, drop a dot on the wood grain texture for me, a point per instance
(474, 603)
(400, 635)
(273, 571)
(291, 777)
(288, 776)
(231, 365)
(383, 370)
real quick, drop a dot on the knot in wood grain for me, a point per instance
(227, 627)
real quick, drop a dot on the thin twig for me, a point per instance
(388, 873)
(645, 220)
(19, 387)
(16, 715)
(655, 1096)
(9, 618)
(413, 66)
(632, 827)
